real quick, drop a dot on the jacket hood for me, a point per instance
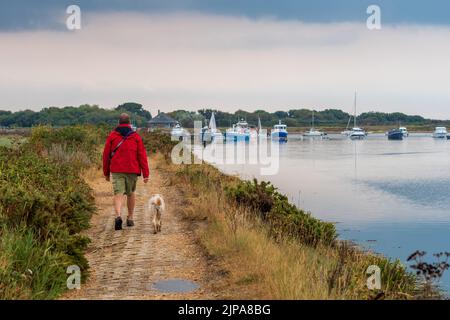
(123, 129)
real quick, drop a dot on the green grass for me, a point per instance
(5, 142)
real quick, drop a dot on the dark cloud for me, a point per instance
(48, 14)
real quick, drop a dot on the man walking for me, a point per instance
(125, 158)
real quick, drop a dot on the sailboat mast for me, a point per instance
(355, 110)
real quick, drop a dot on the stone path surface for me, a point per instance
(125, 264)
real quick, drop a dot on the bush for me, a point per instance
(283, 217)
(157, 141)
(44, 205)
(76, 145)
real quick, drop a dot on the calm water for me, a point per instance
(389, 196)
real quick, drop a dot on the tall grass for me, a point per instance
(271, 249)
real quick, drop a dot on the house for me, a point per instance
(162, 121)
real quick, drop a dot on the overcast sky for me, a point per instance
(249, 54)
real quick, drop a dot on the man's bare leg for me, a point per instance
(118, 200)
(131, 203)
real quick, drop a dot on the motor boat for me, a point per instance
(178, 132)
(279, 132)
(395, 134)
(239, 132)
(357, 134)
(440, 133)
(404, 131)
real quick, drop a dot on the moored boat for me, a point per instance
(239, 132)
(279, 132)
(356, 133)
(404, 131)
(440, 133)
(312, 132)
(178, 132)
(395, 134)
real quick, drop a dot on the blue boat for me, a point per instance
(395, 134)
(279, 132)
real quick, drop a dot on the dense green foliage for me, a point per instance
(67, 116)
(283, 217)
(44, 205)
(87, 114)
(157, 141)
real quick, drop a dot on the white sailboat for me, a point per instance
(260, 129)
(312, 131)
(214, 133)
(356, 133)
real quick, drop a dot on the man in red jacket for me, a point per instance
(125, 158)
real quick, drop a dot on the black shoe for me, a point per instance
(118, 223)
(130, 223)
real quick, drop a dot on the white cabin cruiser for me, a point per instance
(404, 131)
(178, 132)
(239, 132)
(440, 133)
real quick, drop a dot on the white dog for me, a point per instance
(156, 206)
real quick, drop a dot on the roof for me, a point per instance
(162, 118)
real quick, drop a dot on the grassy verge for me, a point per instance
(44, 205)
(271, 249)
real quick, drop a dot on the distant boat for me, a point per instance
(404, 131)
(312, 131)
(356, 133)
(440, 133)
(260, 129)
(395, 134)
(213, 133)
(239, 132)
(178, 132)
(279, 132)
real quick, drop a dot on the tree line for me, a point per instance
(93, 114)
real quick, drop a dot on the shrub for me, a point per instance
(53, 204)
(283, 217)
(76, 145)
(158, 141)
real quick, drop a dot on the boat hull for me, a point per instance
(279, 136)
(357, 136)
(395, 135)
(237, 137)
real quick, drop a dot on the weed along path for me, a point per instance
(135, 263)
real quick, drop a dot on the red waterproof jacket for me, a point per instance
(130, 157)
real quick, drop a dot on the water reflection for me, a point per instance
(394, 192)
